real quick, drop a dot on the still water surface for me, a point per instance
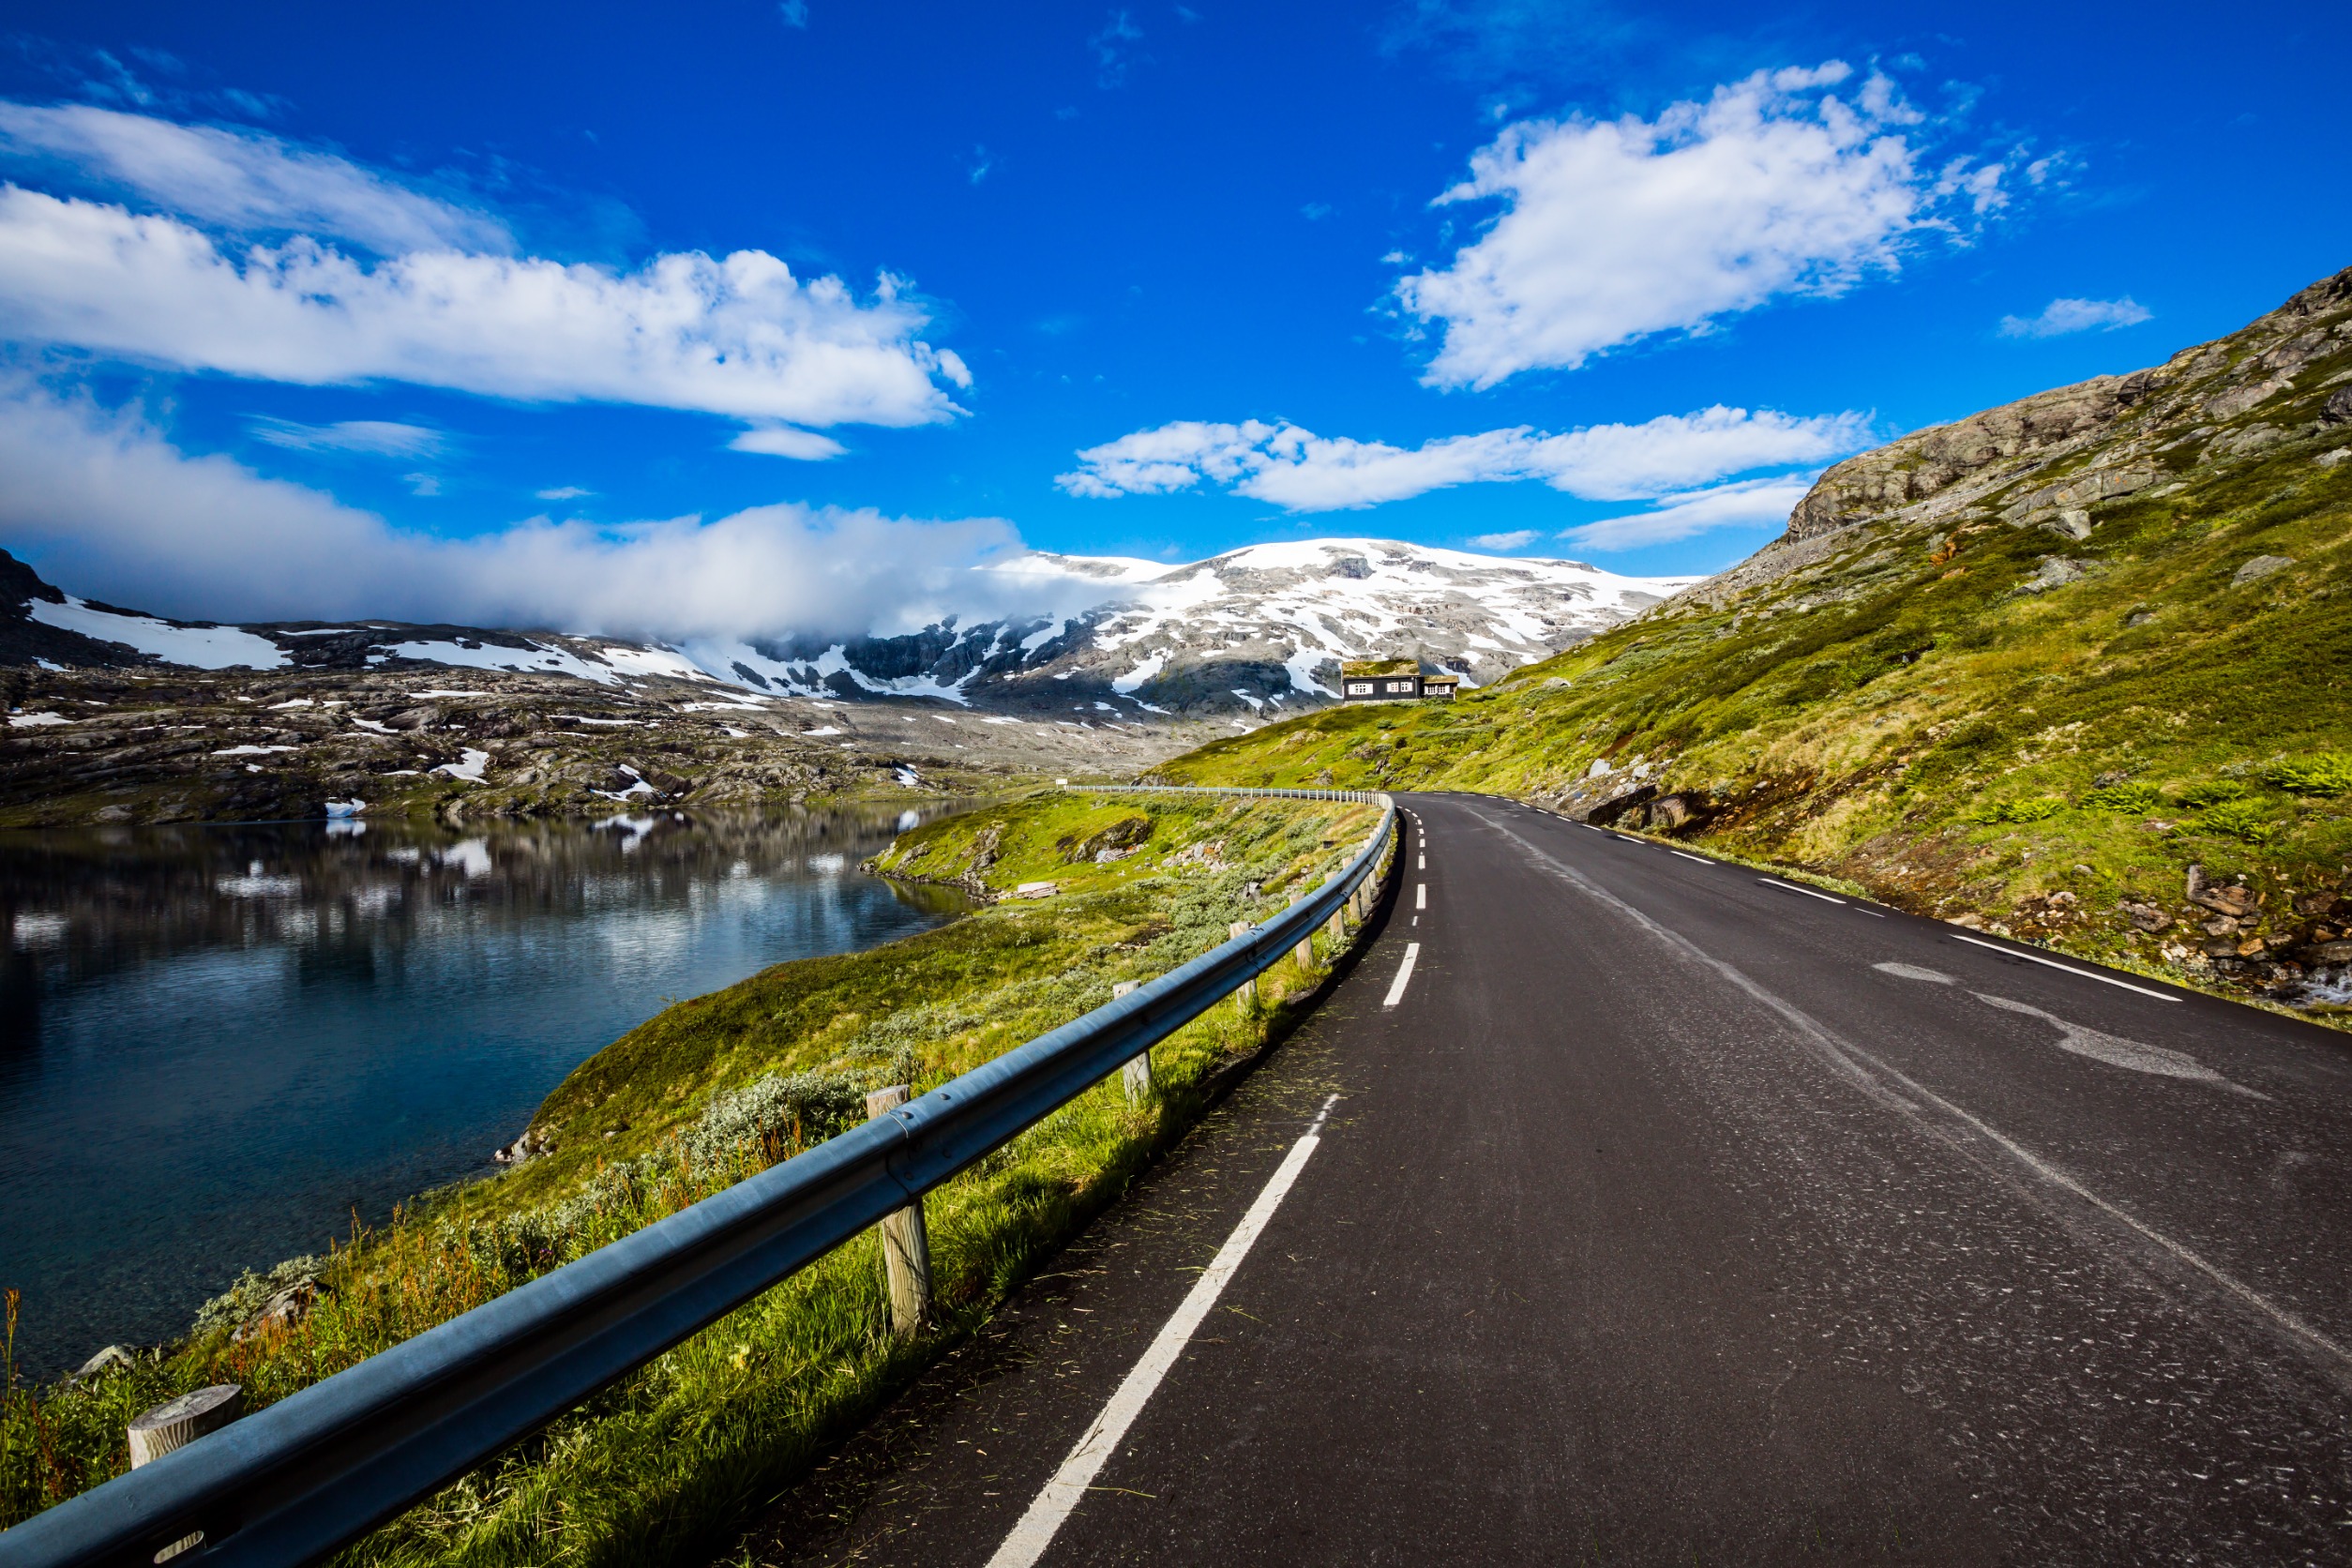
(217, 1041)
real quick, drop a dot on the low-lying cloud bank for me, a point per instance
(107, 508)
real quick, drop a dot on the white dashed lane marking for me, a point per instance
(1421, 895)
(1404, 975)
(1792, 887)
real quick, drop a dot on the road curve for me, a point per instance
(1666, 1212)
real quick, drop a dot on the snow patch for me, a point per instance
(469, 768)
(1127, 683)
(653, 661)
(536, 659)
(198, 647)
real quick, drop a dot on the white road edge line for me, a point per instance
(1792, 887)
(1036, 1528)
(2053, 963)
(1701, 859)
(1404, 973)
(1421, 895)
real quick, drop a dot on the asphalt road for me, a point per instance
(1669, 1216)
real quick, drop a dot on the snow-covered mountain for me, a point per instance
(1248, 631)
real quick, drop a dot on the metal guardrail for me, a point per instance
(1362, 797)
(294, 1481)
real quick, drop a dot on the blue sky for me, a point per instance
(771, 312)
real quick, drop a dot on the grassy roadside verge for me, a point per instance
(669, 1461)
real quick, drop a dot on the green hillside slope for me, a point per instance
(2074, 670)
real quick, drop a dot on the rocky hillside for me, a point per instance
(2073, 669)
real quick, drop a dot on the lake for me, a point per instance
(217, 1043)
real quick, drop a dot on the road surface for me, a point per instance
(1662, 1214)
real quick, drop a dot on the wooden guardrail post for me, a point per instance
(176, 1422)
(1135, 1077)
(1245, 994)
(906, 1245)
(1304, 954)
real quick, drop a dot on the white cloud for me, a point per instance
(1748, 504)
(378, 438)
(2063, 316)
(1616, 230)
(1305, 473)
(1518, 539)
(738, 334)
(423, 484)
(783, 440)
(564, 492)
(244, 180)
(110, 508)
(794, 12)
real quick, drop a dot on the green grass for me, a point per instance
(670, 1462)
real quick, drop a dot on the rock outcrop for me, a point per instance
(2100, 439)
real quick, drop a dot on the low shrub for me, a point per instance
(2033, 808)
(2211, 791)
(2325, 773)
(2238, 819)
(2129, 800)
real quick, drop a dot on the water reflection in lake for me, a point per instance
(215, 1042)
